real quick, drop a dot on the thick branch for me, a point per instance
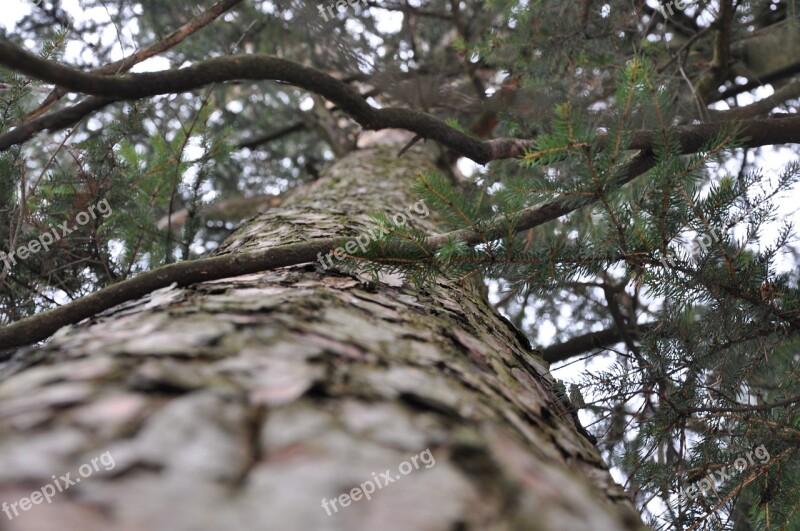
(40, 326)
(538, 214)
(231, 209)
(269, 137)
(751, 133)
(259, 67)
(708, 84)
(54, 121)
(788, 92)
(584, 343)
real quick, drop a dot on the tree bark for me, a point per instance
(243, 403)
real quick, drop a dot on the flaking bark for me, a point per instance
(241, 403)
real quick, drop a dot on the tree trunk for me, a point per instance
(250, 402)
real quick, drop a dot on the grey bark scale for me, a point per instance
(242, 403)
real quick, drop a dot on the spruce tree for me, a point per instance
(616, 176)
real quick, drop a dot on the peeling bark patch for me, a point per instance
(241, 403)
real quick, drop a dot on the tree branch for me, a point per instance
(752, 133)
(756, 132)
(260, 67)
(788, 92)
(708, 84)
(54, 121)
(584, 343)
(123, 65)
(269, 137)
(35, 122)
(40, 326)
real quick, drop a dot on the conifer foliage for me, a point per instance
(630, 201)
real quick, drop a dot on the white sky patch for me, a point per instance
(306, 104)
(234, 106)
(13, 12)
(353, 25)
(388, 21)
(745, 98)
(466, 166)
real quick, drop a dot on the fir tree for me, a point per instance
(620, 194)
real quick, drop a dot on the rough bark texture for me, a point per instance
(242, 403)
